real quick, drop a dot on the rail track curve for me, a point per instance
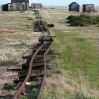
(44, 47)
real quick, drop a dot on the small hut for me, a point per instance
(6, 7)
(88, 8)
(36, 5)
(20, 5)
(74, 7)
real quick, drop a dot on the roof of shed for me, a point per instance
(73, 3)
(87, 4)
(36, 3)
(14, 1)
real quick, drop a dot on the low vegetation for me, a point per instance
(82, 20)
(9, 87)
(77, 63)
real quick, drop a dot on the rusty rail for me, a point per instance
(28, 75)
(22, 87)
(44, 77)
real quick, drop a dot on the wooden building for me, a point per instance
(19, 5)
(74, 7)
(88, 8)
(6, 7)
(36, 5)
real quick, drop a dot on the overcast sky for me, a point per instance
(57, 2)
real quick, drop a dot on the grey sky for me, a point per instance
(57, 2)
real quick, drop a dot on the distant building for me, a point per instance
(36, 5)
(74, 7)
(88, 8)
(6, 7)
(19, 5)
(16, 5)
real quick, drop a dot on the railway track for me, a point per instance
(32, 76)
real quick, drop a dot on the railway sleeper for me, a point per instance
(46, 38)
(17, 70)
(48, 56)
(38, 56)
(34, 66)
(38, 17)
(41, 66)
(33, 72)
(32, 77)
(38, 61)
(42, 52)
(44, 49)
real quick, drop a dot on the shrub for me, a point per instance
(83, 20)
(30, 18)
(85, 16)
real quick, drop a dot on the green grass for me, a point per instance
(78, 53)
(78, 67)
(83, 20)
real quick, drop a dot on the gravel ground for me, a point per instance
(13, 46)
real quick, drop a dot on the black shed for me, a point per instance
(6, 7)
(20, 5)
(74, 7)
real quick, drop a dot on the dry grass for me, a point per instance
(64, 87)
